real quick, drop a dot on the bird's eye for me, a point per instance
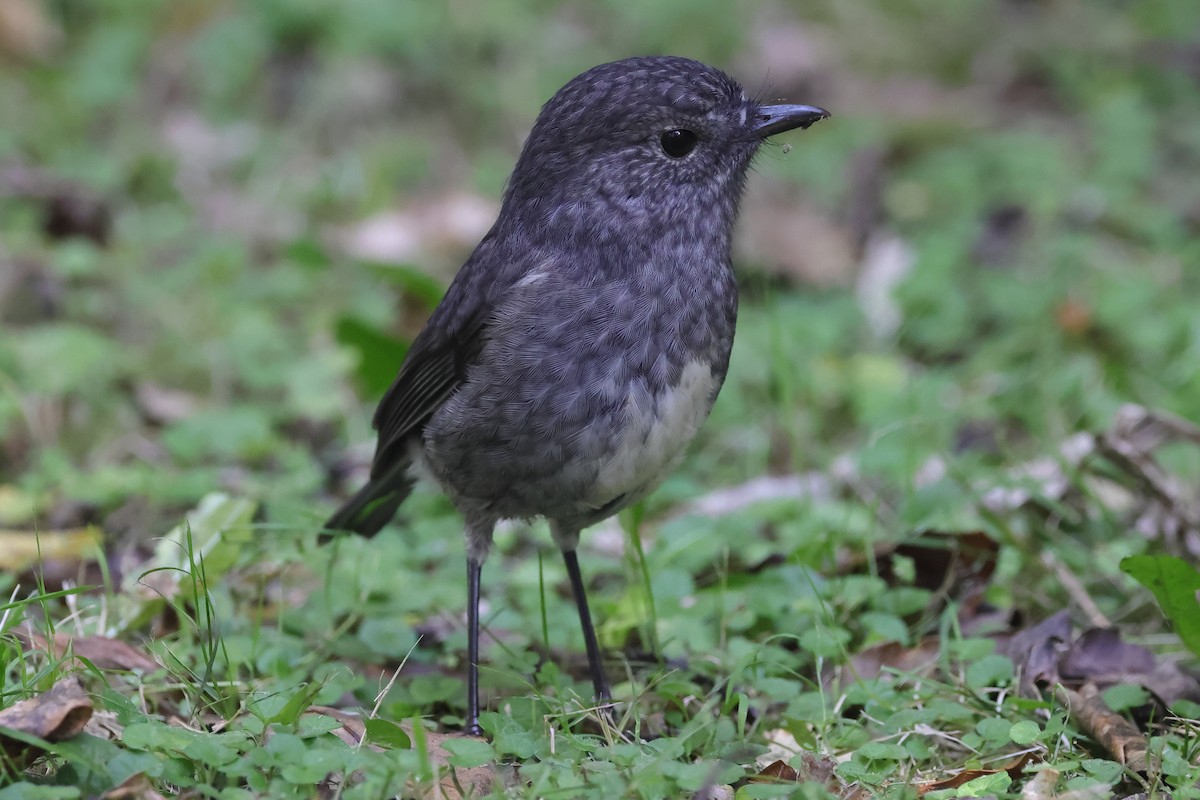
(679, 142)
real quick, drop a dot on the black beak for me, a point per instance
(770, 120)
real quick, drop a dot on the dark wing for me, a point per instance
(436, 364)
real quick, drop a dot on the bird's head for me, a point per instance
(652, 140)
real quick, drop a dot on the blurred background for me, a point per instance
(221, 223)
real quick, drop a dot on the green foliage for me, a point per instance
(1176, 585)
(191, 384)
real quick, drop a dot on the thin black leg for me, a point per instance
(473, 570)
(589, 634)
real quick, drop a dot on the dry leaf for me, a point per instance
(777, 772)
(353, 729)
(1035, 651)
(945, 559)
(104, 652)
(450, 222)
(954, 781)
(453, 784)
(1100, 652)
(1117, 735)
(54, 715)
(26, 32)
(873, 661)
(1041, 786)
(135, 787)
(461, 782)
(1014, 768)
(784, 236)
(20, 550)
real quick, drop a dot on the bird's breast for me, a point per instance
(653, 432)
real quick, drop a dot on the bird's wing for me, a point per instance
(437, 362)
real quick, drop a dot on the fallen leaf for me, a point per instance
(1117, 735)
(945, 559)
(1015, 767)
(1099, 656)
(103, 651)
(352, 729)
(161, 405)
(892, 656)
(20, 550)
(1041, 786)
(1074, 317)
(787, 237)
(1035, 651)
(954, 781)
(57, 714)
(818, 769)
(135, 787)
(450, 222)
(776, 772)
(1099, 653)
(27, 31)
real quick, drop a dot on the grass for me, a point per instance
(191, 370)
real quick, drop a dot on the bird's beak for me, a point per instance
(770, 120)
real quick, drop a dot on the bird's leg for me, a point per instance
(474, 568)
(603, 694)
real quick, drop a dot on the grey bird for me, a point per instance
(583, 343)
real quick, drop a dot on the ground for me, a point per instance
(937, 537)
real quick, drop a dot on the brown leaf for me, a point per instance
(1035, 651)
(787, 237)
(1074, 317)
(105, 725)
(954, 781)
(353, 728)
(453, 782)
(1100, 652)
(27, 31)
(460, 782)
(135, 787)
(945, 559)
(1041, 786)
(1169, 683)
(777, 772)
(868, 664)
(1014, 767)
(161, 405)
(1100, 657)
(20, 550)
(105, 653)
(812, 768)
(55, 715)
(1117, 735)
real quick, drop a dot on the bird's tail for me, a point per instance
(373, 506)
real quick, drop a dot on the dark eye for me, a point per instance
(678, 143)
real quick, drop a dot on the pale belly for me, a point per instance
(655, 436)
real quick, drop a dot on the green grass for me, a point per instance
(198, 385)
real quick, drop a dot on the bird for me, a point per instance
(581, 346)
